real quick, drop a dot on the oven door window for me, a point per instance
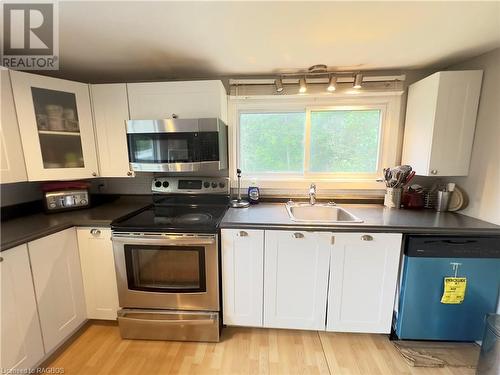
(163, 147)
(166, 269)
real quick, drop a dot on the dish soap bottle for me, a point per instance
(253, 193)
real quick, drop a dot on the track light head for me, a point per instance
(358, 81)
(302, 85)
(332, 83)
(278, 84)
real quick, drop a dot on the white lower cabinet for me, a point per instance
(363, 279)
(21, 344)
(296, 267)
(242, 276)
(98, 271)
(57, 278)
(283, 279)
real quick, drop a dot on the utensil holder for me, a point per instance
(443, 199)
(392, 198)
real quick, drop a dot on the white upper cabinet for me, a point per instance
(55, 122)
(440, 121)
(296, 268)
(98, 270)
(12, 164)
(242, 276)
(57, 277)
(110, 105)
(363, 278)
(189, 99)
(21, 338)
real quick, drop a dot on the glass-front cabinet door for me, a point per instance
(55, 123)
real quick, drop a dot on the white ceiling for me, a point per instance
(117, 40)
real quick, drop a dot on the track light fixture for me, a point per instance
(332, 83)
(302, 85)
(278, 84)
(358, 80)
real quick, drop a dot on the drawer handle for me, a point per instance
(95, 232)
(167, 322)
(298, 235)
(366, 237)
(242, 233)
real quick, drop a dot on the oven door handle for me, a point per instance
(164, 240)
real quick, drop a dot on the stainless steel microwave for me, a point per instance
(177, 145)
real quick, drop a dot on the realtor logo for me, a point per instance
(30, 36)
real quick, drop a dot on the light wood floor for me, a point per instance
(100, 350)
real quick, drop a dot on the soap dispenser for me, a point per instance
(253, 193)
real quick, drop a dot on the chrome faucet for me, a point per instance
(312, 194)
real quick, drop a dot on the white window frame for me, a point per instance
(390, 138)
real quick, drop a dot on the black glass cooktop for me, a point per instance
(194, 214)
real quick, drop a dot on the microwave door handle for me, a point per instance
(166, 240)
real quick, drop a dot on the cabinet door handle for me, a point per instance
(298, 235)
(129, 173)
(434, 171)
(366, 237)
(1, 259)
(242, 233)
(94, 174)
(95, 232)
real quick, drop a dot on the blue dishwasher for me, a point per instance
(427, 261)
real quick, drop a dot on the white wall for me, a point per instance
(483, 182)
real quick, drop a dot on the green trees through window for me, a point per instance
(272, 142)
(341, 141)
(344, 141)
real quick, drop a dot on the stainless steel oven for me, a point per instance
(167, 271)
(167, 261)
(177, 145)
(167, 285)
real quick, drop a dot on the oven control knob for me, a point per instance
(165, 184)
(206, 184)
(214, 185)
(222, 185)
(158, 183)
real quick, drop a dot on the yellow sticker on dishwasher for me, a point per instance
(454, 290)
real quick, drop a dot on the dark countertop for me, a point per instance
(28, 228)
(262, 216)
(376, 218)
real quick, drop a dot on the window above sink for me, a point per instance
(329, 141)
(338, 142)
